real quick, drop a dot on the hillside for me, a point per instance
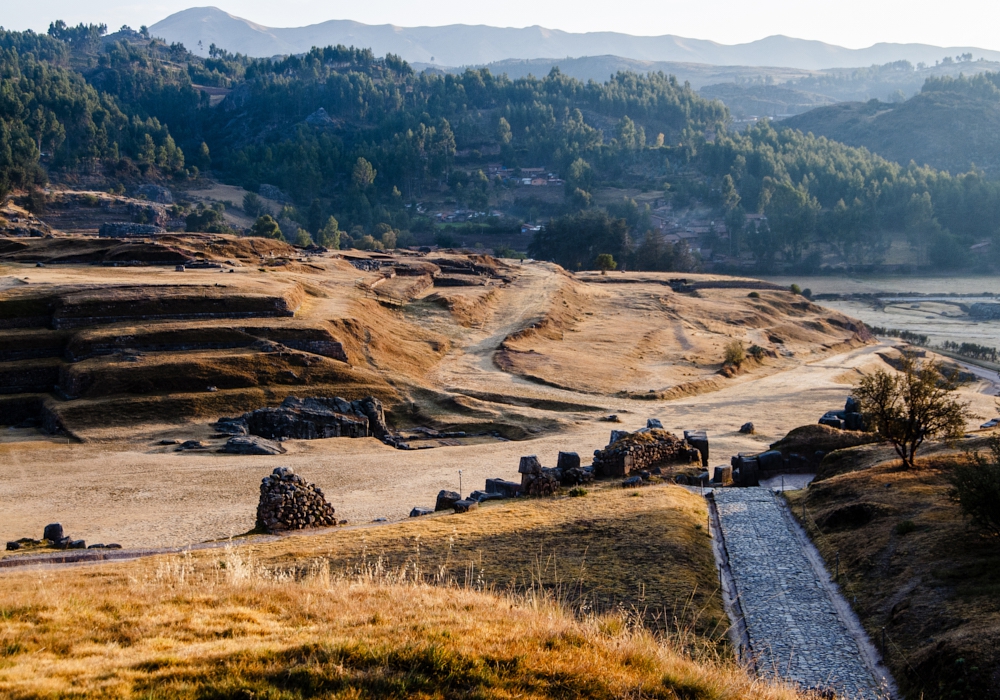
(947, 129)
(462, 45)
(912, 565)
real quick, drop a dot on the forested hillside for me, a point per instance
(953, 124)
(365, 140)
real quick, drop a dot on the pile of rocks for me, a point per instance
(289, 502)
(53, 536)
(311, 419)
(639, 451)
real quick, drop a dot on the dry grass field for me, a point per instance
(608, 595)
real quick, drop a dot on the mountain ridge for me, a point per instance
(459, 45)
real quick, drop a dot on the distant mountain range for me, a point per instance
(462, 45)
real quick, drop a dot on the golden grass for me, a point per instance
(185, 627)
(646, 551)
(533, 599)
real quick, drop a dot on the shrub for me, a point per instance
(754, 295)
(756, 352)
(976, 488)
(266, 227)
(735, 354)
(795, 289)
(577, 492)
(905, 527)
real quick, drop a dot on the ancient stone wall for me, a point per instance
(626, 454)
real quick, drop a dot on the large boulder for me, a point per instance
(568, 460)
(53, 532)
(446, 500)
(252, 445)
(508, 489)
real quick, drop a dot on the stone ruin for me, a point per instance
(289, 502)
(850, 418)
(311, 419)
(649, 447)
(537, 480)
(54, 537)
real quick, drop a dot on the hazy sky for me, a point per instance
(851, 23)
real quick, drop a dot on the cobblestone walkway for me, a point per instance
(793, 627)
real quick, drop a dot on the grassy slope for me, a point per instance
(914, 568)
(352, 613)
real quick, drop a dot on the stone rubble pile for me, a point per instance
(649, 447)
(289, 502)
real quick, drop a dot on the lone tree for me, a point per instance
(916, 404)
(605, 262)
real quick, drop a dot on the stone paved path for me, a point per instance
(793, 627)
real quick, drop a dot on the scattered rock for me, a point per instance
(446, 500)
(77, 544)
(418, 511)
(53, 532)
(632, 482)
(170, 441)
(13, 546)
(252, 445)
(192, 445)
(652, 423)
(747, 429)
(613, 418)
(289, 502)
(464, 506)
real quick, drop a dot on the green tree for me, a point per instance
(266, 227)
(917, 403)
(503, 131)
(253, 206)
(329, 235)
(363, 174)
(302, 239)
(605, 262)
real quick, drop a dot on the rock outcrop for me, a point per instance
(252, 445)
(289, 502)
(313, 418)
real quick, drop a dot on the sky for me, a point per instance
(851, 23)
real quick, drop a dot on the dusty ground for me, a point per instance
(542, 355)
